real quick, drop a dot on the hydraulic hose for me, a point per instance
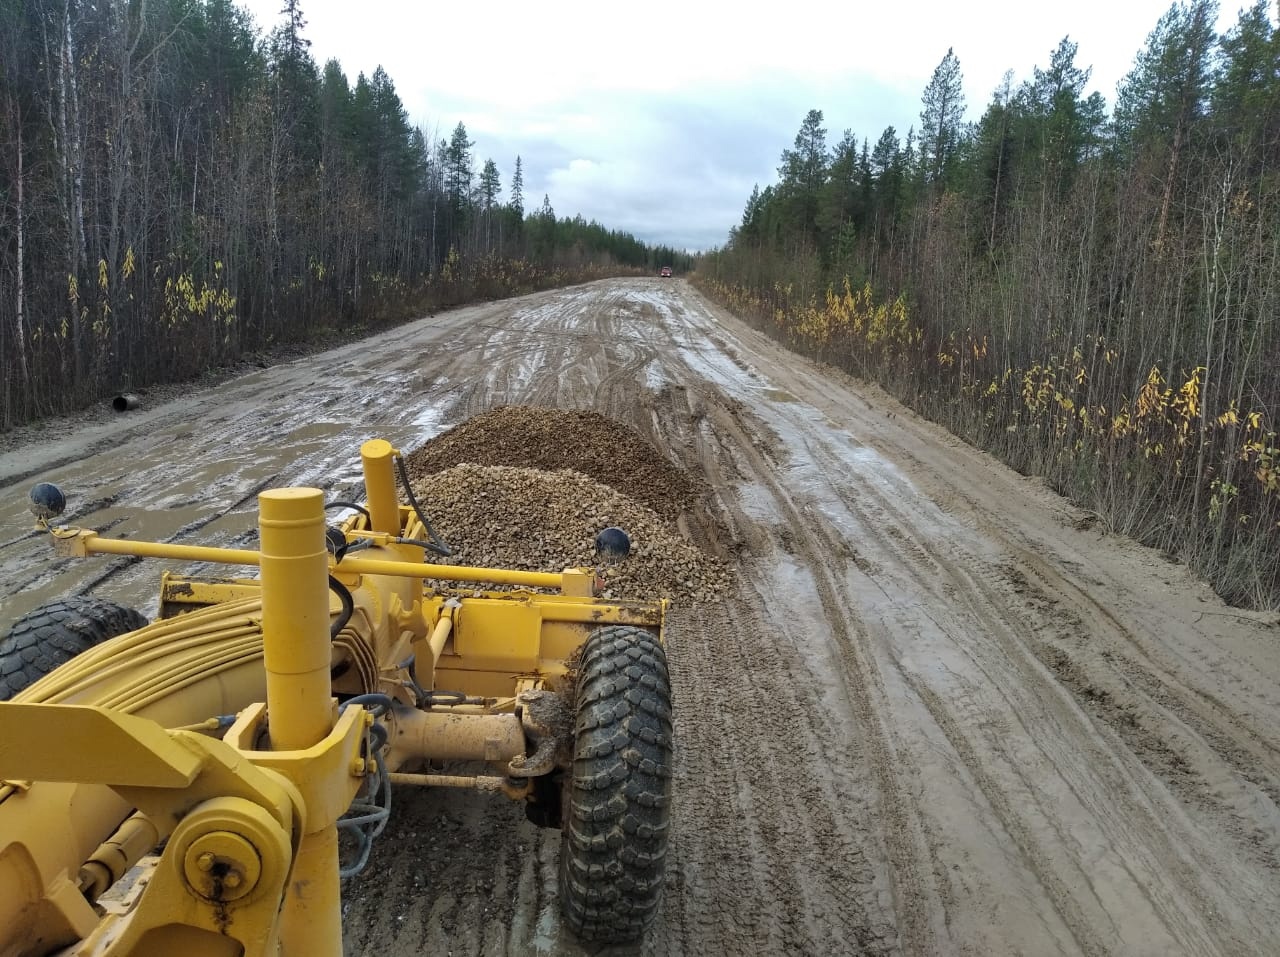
(436, 544)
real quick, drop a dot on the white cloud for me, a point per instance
(658, 119)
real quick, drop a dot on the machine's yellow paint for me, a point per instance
(295, 614)
(124, 734)
(297, 657)
(322, 773)
(122, 850)
(126, 750)
(377, 456)
(83, 543)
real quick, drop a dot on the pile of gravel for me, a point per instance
(535, 520)
(587, 442)
(529, 488)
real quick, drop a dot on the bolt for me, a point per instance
(206, 861)
(357, 767)
(232, 879)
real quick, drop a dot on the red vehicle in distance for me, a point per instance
(666, 272)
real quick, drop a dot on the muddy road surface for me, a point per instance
(944, 713)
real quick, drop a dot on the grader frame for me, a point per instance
(179, 789)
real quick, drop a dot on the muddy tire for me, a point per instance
(618, 793)
(53, 634)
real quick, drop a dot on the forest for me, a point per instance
(1092, 295)
(178, 192)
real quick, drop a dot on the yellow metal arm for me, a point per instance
(80, 543)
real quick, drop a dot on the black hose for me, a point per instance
(348, 607)
(436, 544)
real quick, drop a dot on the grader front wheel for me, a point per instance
(618, 793)
(53, 634)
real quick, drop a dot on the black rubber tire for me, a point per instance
(42, 640)
(618, 795)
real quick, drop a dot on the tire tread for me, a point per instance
(615, 830)
(43, 640)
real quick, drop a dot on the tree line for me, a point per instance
(1092, 295)
(177, 191)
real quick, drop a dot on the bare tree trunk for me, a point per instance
(73, 170)
(1211, 370)
(20, 335)
(1167, 198)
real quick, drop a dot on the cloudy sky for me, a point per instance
(658, 119)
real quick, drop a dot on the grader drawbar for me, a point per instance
(205, 783)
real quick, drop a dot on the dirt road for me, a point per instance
(947, 714)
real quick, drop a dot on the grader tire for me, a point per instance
(618, 795)
(53, 634)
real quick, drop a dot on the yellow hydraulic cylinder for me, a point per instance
(380, 485)
(296, 653)
(295, 617)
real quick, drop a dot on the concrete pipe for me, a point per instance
(125, 401)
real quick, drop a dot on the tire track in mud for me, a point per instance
(933, 565)
(1215, 766)
(1235, 741)
(452, 867)
(819, 543)
(1164, 724)
(1124, 810)
(1130, 658)
(1009, 782)
(767, 850)
(916, 897)
(1131, 812)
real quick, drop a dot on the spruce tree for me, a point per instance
(941, 119)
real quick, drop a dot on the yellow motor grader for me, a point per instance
(204, 783)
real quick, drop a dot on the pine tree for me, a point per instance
(838, 198)
(297, 84)
(941, 118)
(802, 175)
(1163, 99)
(1062, 125)
(517, 188)
(458, 164)
(992, 157)
(1246, 94)
(490, 185)
(1167, 89)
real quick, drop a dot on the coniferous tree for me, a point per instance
(801, 177)
(839, 200)
(517, 188)
(941, 119)
(457, 177)
(1246, 92)
(1063, 122)
(888, 171)
(490, 185)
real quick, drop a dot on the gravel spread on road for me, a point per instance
(525, 513)
(600, 448)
